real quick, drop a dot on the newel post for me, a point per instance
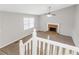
(34, 42)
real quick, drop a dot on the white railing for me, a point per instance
(41, 46)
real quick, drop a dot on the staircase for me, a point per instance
(41, 46)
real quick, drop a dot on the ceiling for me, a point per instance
(35, 9)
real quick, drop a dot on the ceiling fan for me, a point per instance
(50, 12)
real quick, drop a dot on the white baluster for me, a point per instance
(50, 49)
(34, 43)
(66, 51)
(39, 47)
(26, 49)
(21, 48)
(74, 53)
(54, 51)
(43, 48)
(60, 51)
(30, 48)
(48, 46)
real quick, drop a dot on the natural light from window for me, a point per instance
(28, 23)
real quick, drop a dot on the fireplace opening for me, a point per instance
(52, 27)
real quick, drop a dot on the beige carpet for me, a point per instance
(13, 49)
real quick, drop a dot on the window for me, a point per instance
(28, 22)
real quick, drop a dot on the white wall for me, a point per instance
(12, 28)
(76, 27)
(0, 28)
(64, 17)
(11, 24)
(37, 22)
(68, 18)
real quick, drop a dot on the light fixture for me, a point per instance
(50, 13)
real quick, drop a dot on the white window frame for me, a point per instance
(28, 22)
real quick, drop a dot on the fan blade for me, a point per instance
(54, 14)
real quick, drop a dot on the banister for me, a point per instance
(58, 44)
(35, 39)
